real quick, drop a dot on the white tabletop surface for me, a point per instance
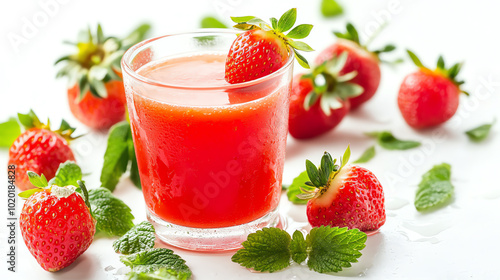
(459, 241)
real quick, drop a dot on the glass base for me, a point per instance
(211, 239)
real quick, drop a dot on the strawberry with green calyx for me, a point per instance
(263, 49)
(430, 97)
(319, 100)
(56, 222)
(96, 94)
(365, 62)
(39, 149)
(342, 195)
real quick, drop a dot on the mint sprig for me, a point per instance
(119, 153)
(140, 237)
(435, 189)
(9, 131)
(160, 262)
(68, 174)
(113, 216)
(387, 141)
(480, 133)
(328, 249)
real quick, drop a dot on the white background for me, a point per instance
(458, 241)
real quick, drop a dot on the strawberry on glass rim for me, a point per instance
(263, 49)
(428, 97)
(319, 100)
(39, 149)
(365, 62)
(342, 195)
(96, 94)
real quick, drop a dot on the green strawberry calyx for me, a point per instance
(97, 60)
(321, 177)
(278, 28)
(330, 85)
(41, 184)
(352, 35)
(449, 73)
(31, 120)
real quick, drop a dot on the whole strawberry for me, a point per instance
(360, 59)
(263, 49)
(343, 195)
(56, 223)
(96, 94)
(39, 149)
(319, 100)
(430, 97)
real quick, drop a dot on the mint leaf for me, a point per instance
(298, 247)
(9, 131)
(479, 133)
(367, 155)
(140, 237)
(37, 180)
(388, 141)
(294, 188)
(265, 250)
(159, 261)
(330, 8)
(435, 189)
(159, 274)
(68, 174)
(116, 157)
(333, 248)
(211, 22)
(113, 216)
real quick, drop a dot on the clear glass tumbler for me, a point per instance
(210, 154)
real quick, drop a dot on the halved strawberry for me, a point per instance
(39, 149)
(96, 94)
(343, 195)
(263, 49)
(318, 101)
(430, 97)
(360, 59)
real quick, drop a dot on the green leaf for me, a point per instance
(100, 34)
(346, 156)
(28, 193)
(301, 46)
(116, 157)
(68, 174)
(301, 60)
(29, 120)
(313, 173)
(274, 22)
(265, 250)
(415, 59)
(287, 20)
(134, 173)
(440, 63)
(113, 216)
(242, 19)
(353, 32)
(388, 141)
(330, 8)
(298, 247)
(367, 155)
(435, 189)
(37, 180)
(387, 48)
(139, 238)
(480, 133)
(332, 249)
(294, 189)
(159, 274)
(156, 262)
(326, 167)
(9, 131)
(211, 22)
(300, 31)
(85, 193)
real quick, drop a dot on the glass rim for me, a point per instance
(126, 67)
